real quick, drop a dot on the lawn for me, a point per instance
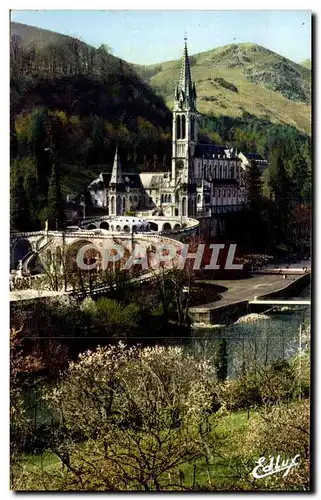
(218, 474)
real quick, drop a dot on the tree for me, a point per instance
(281, 430)
(254, 185)
(221, 360)
(32, 189)
(55, 207)
(20, 218)
(140, 413)
(281, 185)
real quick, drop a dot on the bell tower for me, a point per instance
(185, 123)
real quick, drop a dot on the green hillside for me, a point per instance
(240, 78)
(306, 63)
(38, 37)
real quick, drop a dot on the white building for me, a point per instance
(205, 179)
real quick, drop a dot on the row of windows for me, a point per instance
(220, 193)
(226, 192)
(124, 201)
(225, 208)
(167, 198)
(216, 171)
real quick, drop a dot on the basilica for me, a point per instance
(204, 179)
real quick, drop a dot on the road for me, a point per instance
(247, 289)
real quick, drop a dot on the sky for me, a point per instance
(148, 37)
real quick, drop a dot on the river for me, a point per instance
(274, 335)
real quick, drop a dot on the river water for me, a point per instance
(275, 335)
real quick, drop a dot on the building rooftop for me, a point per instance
(210, 151)
(130, 181)
(254, 156)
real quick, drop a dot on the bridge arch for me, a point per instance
(91, 255)
(104, 225)
(167, 227)
(20, 249)
(153, 226)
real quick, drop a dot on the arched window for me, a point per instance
(162, 198)
(118, 203)
(199, 198)
(169, 198)
(134, 228)
(178, 127)
(117, 228)
(184, 206)
(183, 127)
(192, 128)
(126, 229)
(112, 204)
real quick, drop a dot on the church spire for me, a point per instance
(116, 174)
(185, 93)
(185, 81)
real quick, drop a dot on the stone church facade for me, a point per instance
(204, 179)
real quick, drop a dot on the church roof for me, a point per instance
(254, 156)
(129, 181)
(153, 179)
(209, 151)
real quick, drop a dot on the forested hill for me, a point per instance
(89, 97)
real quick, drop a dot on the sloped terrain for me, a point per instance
(242, 77)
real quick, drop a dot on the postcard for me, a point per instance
(160, 250)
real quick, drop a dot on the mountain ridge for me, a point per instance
(230, 80)
(238, 78)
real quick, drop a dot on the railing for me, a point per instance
(190, 222)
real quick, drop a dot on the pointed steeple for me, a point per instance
(116, 174)
(185, 81)
(185, 93)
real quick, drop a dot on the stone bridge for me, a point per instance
(50, 245)
(102, 232)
